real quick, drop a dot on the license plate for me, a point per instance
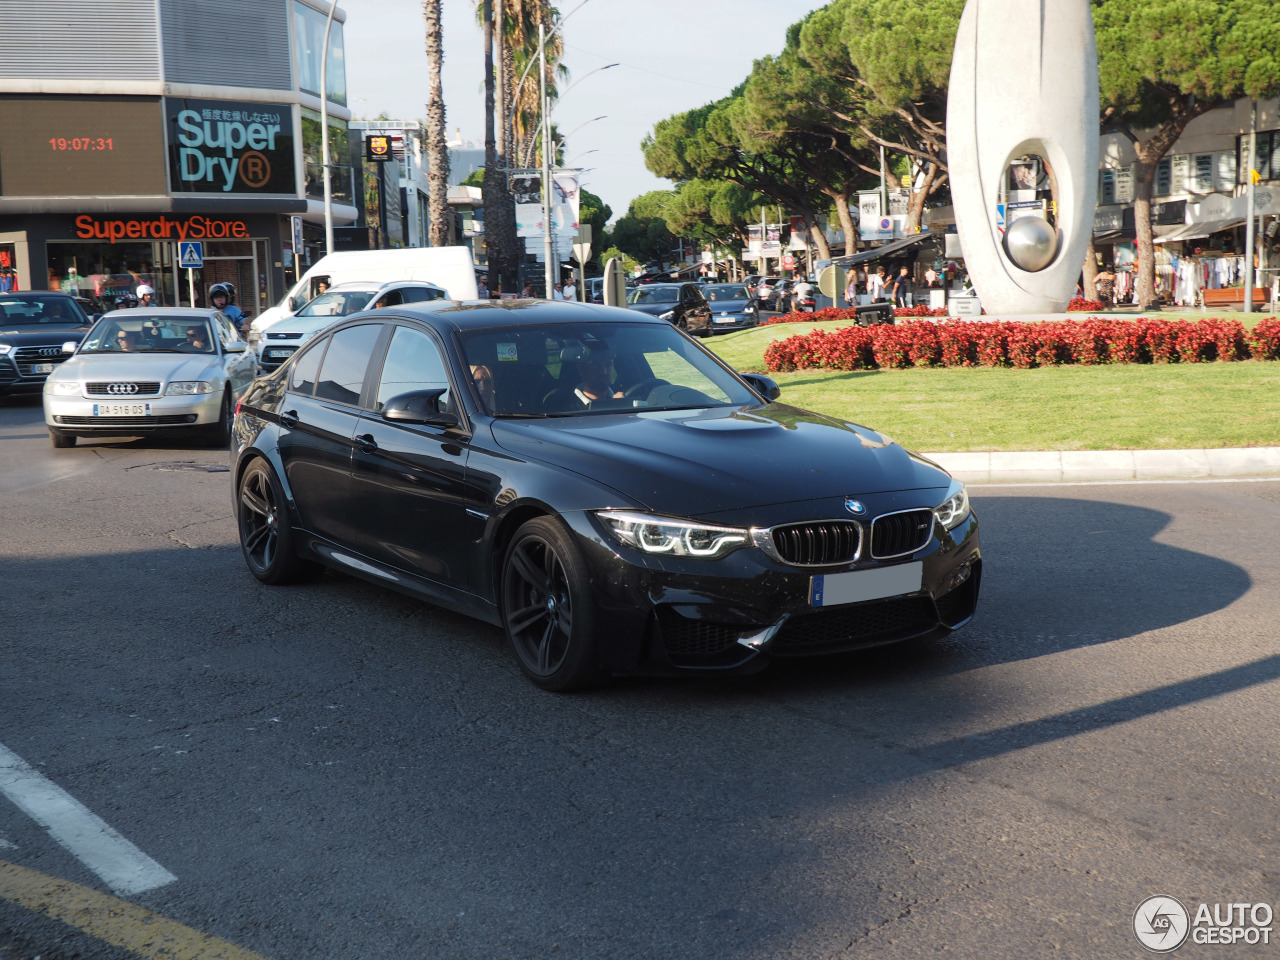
(278, 353)
(726, 319)
(122, 409)
(42, 368)
(833, 589)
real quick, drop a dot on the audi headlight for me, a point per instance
(63, 388)
(954, 510)
(188, 388)
(666, 316)
(676, 538)
(4, 348)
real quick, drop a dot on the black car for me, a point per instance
(679, 303)
(33, 327)
(600, 486)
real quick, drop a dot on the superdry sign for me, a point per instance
(221, 146)
(161, 228)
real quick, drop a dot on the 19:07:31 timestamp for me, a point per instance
(81, 143)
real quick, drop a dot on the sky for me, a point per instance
(672, 56)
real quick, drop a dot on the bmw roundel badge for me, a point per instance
(855, 506)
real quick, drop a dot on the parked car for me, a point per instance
(33, 327)
(669, 518)
(680, 303)
(767, 293)
(277, 343)
(593, 290)
(732, 307)
(139, 372)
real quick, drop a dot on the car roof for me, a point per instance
(460, 315)
(190, 313)
(363, 286)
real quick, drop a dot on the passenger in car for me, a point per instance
(482, 377)
(128, 340)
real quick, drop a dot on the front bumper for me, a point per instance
(724, 322)
(77, 415)
(735, 614)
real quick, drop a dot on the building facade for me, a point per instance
(136, 127)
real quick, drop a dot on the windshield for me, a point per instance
(653, 295)
(730, 291)
(143, 334)
(558, 370)
(24, 309)
(337, 303)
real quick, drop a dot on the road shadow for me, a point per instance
(385, 758)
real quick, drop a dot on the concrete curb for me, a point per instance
(1065, 466)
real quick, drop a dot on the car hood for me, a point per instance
(653, 309)
(699, 462)
(148, 366)
(299, 326)
(729, 306)
(43, 333)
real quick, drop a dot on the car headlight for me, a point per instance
(954, 510)
(187, 388)
(63, 388)
(4, 348)
(666, 316)
(676, 538)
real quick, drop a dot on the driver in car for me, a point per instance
(595, 375)
(197, 340)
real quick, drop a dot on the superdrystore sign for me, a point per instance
(160, 228)
(226, 147)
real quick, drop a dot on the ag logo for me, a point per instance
(1161, 924)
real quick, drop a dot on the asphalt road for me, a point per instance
(334, 772)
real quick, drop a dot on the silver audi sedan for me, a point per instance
(156, 370)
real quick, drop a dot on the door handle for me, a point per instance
(289, 418)
(366, 443)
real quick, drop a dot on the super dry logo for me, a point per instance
(161, 228)
(222, 147)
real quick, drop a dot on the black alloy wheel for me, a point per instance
(265, 535)
(546, 608)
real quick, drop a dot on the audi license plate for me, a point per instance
(835, 588)
(42, 368)
(122, 409)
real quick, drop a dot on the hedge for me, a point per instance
(981, 343)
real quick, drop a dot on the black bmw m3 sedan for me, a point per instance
(599, 485)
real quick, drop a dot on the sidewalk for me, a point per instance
(1052, 466)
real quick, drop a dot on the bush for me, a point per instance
(962, 343)
(1081, 305)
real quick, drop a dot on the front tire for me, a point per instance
(62, 440)
(219, 434)
(266, 537)
(547, 608)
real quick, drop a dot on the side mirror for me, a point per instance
(764, 386)
(237, 347)
(419, 406)
(294, 304)
(70, 346)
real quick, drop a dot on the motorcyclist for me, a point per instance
(146, 294)
(802, 293)
(222, 297)
(126, 301)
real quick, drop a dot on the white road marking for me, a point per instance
(121, 865)
(1121, 483)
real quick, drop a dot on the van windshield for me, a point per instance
(337, 303)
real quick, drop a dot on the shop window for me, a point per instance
(313, 154)
(309, 26)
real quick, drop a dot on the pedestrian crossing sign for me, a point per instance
(191, 254)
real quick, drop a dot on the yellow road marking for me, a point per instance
(118, 922)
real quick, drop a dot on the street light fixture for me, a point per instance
(324, 132)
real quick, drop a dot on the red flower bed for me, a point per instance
(1081, 305)
(920, 310)
(961, 343)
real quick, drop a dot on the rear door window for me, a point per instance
(346, 362)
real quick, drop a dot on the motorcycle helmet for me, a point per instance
(145, 290)
(226, 289)
(126, 301)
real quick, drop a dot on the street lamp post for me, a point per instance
(324, 132)
(550, 270)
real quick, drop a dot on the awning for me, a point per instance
(875, 253)
(1198, 231)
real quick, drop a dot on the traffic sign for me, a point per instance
(191, 254)
(788, 262)
(831, 281)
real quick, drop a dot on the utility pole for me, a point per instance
(1250, 240)
(550, 272)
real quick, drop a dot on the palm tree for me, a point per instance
(437, 147)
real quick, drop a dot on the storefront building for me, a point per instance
(1199, 208)
(111, 166)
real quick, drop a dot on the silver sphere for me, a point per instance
(1031, 243)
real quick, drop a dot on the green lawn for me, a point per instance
(1178, 406)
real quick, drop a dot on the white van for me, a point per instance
(448, 267)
